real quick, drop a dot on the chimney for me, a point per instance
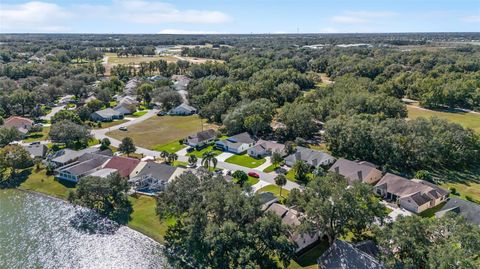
(337, 170)
(360, 176)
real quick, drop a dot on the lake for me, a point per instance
(37, 231)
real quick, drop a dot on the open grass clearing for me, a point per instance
(113, 59)
(464, 189)
(139, 113)
(245, 161)
(156, 131)
(271, 168)
(468, 120)
(39, 181)
(108, 124)
(171, 147)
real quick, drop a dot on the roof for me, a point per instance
(237, 140)
(103, 173)
(124, 165)
(87, 163)
(202, 136)
(107, 113)
(353, 170)
(343, 255)
(21, 123)
(311, 156)
(267, 197)
(159, 171)
(403, 187)
(185, 107)
(66, 155)
(278, 209)
(469, 210)
(37, 150)
(269, 146)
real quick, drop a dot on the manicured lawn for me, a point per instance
(309, 258)
(40, 182)
(430, 213)
(109, 124)
(252, 180)
(139, 113)
(180, 163)
(471, 189)
(469, 120)
(39, 136)
(321, 147)
(291, 176)
(275, 190)
(145, 220)
(171, 147)
(245, 160)
(270, 168)
(157, 131)
(200, 153)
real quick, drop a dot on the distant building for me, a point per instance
(180, 82)
(356, 171)
(237, 143)
(131, 86)
(202, 138)
(414, 195)
(468, 210)
(313, 157)
(107, 114)
(343, 255)
(183, 110)
(23, 125)
(266, 148)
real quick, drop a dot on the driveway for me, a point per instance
(260, 185)
(223, 156)
(396, 211)
(52, 113)
(266, 164)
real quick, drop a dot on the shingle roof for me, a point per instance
(21, 123)
(157, 170)
(309, 155)
(105, 172)
(202, 136)
(342, 255)
(186, 107)
(278, 209)
(124, 165)
(469, 210)
(87, 164)
(66, 155)
(107, 113)
(350, 169)
(270, 146)
(37, 150)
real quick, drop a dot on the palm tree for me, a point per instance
(281, 181)
(172, 158)
(192, 160)
(164, 154)
(207, 158)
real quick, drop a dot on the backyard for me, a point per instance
(245, 160)
(155, 132)
(469, 120)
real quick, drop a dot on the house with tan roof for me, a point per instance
(353, 171)
(23, 125)
(313, 157)
(202, 138)
(414, 195)
(266, 148)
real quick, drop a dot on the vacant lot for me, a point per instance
(469, 120)
(158, 131)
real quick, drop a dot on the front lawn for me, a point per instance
(291, 176)
(171, 147)
(139, 113)
(275, 190)
(245, 161)
(199, 153)
(271, 168)
(145, 220)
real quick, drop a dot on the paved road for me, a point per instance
(266, 177)
(52, 113)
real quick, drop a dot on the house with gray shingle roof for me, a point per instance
(202, 138)
(183, 110)
(343, 255)
(107, 114)
(237, 143)
(356, 171)
(468, 210)
(36, 150)
(152, 177)
(85, 165)
(313, 157)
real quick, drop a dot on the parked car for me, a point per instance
(190, 149)
(219, 171)
(35, 143)
(253, 174)
(161, 113)
(123, 128)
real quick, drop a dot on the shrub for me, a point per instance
(453, 190)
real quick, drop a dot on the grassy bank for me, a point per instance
(468, 120)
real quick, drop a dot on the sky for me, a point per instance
(239, 16)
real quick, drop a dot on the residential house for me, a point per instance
(313, 157)
(343, 255)
(23, 125)
(237, 143)
(103, 173)
(124, 165)
(468, 210)
(66, 156)
(183, 110)
(266, 148)
(153, 177)
(202, 138)
(131, 86)
(107, 114)
(292, 218)
(83, 166)
(414, 195)
(356, 171)
(37, 150)
(128, 102)
(180, 82)
(267, 198)
(125, 109)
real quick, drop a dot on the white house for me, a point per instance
(183, 110)
(237, 143)
(266, 148)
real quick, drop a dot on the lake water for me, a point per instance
(42, 232)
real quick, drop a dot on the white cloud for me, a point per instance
(37, 16)
(361, 17)
(33, 17)
(471, 19)
(186, 32)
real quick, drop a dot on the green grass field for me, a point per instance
(171, 147)
(39, 181)
(270, 168)
(139, 113)
(114, 59)
(39, 136)
(245, 160)
(275, 190)
(464, 189)
(109, 124)
(156, 131)
(469, 120)
(199, 153)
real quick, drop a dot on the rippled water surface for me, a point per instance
(42, 232)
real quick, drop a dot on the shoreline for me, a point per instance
(67, 202)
